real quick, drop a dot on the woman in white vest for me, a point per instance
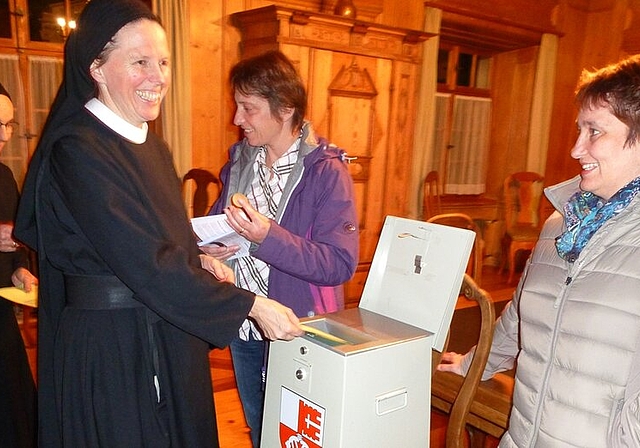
(573, 325)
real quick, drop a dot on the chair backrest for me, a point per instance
(464, 221)
(431, 195)
(523, 194)
(197, 194)
(460, 409)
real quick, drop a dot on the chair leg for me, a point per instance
(477, 438)
(505, 245)
(512, 263)
(479, 264)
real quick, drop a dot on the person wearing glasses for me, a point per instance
(17, 387)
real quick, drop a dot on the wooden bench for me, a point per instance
(489, 412)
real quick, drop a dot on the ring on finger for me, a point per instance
(241, 230)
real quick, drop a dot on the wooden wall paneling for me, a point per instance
(525, 14)
(631, 30)
(514, 74)
(404, 14)
(365, 9)
(230, 49)
(378, 152)
(582, 46)
(323, 67)
(400, 146)
(370, 169)
(320, 69)
(207, 121)
(355, 117)
(570, 64)
(352, 96)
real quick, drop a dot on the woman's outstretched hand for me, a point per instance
(451, 362)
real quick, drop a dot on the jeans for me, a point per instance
(249, 360)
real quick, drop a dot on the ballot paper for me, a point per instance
(18, 295)
(215, 230)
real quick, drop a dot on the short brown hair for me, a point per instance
(616, 86)
(272, 76)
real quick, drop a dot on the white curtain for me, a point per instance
(441, 133)
(422, 150)
(467, 157)
(45, 75)
(45, 78)
(15, 151)
(176, 109)
(542, 106)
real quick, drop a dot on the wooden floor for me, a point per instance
(233, 431)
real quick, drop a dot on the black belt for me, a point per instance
(98, 292)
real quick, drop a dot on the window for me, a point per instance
(463, 121)
(458, 68)
(51, 20)
(5, 20)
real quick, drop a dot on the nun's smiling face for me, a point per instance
(135, 76)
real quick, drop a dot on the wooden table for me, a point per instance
(479, 207)
(487, 213)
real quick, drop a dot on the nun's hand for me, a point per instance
(216, 267)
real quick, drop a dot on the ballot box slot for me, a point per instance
(333, 333)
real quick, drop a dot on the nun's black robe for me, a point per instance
(109, 207)
(17, 388)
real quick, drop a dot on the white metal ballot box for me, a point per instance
(361, 378)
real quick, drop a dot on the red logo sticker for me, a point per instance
(301, 421)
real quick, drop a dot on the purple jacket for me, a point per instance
(312, 245)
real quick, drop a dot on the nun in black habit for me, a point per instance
(127, 315)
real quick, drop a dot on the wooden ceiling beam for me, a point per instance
(484, 33)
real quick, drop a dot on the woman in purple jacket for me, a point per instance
(299, 214)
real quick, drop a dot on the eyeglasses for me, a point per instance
(9, 127)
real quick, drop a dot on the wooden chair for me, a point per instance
(431, 205)
(522, 198)
(490, 407)
(457, 403)
(197, 195)
(464, 221)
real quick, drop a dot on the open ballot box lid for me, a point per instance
(412, 287)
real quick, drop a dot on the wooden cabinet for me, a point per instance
(362, 82)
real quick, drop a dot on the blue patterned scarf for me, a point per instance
(585, 213)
